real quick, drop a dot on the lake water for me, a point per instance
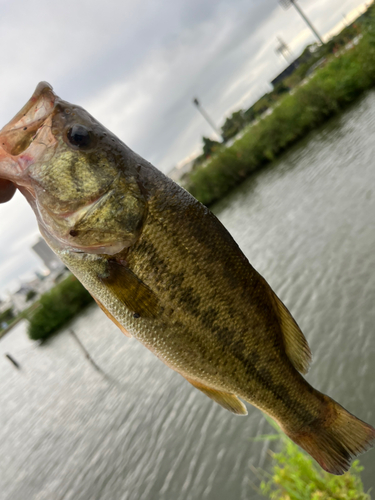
(142, 432)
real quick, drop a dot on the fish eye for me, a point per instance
(80, 137)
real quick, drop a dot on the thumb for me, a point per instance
(7, 190)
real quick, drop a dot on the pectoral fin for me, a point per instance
(125, 332)
(130, 290)
(225, 399)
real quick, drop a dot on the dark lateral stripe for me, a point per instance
(189, 301)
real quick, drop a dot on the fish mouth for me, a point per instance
(17, 137)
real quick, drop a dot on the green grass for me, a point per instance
(329, 91)
(296, 476)
(57, 307)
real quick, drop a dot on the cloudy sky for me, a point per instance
(136, 65)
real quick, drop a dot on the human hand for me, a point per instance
(7, 190)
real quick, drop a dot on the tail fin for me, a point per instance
(335, 440)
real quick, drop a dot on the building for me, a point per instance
(178, 172)
(50, 259)
(21, 298)
(32, 290)
(286, 72)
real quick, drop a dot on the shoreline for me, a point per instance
(9, 327)
(329, 92)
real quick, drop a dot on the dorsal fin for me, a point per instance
(296, 346)
(228, 401)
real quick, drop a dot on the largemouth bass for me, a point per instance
(166, 271)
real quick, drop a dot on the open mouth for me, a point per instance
(19, 133)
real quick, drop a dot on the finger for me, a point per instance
(7, 190)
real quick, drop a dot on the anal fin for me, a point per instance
(228, 401)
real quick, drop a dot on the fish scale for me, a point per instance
(229, 313)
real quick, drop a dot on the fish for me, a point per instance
(164, 269)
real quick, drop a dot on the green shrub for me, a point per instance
(57, 307)
(296, 476)
(30, 295)
(7, 316)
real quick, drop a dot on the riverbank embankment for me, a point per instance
(329, 91)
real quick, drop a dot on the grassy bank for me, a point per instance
(327, 93)
(57, 307)
(296, 476)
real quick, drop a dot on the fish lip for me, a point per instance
(43, 95)
(17, 136)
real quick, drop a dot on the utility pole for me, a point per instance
(285, 4)
(205, 115)
(87, 355)
(283, 49)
